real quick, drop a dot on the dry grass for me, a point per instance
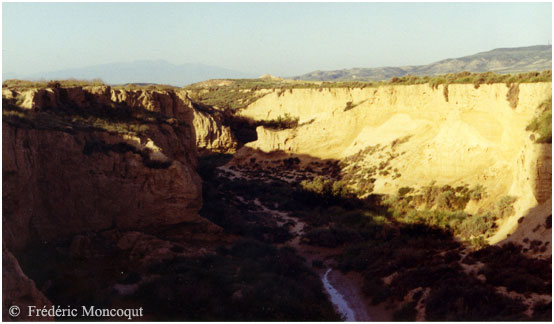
(13, 83)
(239, 93)
(43, 84)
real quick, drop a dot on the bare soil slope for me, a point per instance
(410, 136)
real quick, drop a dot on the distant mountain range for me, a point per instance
(146, 71)
(500, 60)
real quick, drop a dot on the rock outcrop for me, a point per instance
(64, 181)
(19, 291)
(57, 184)
(211, 135)
(80, 164)
(208, 130)
(410, 135)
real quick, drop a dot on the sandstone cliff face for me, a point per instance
(65, 181)
(211, 135)
(54, 188)
(415, 134)
(337, 122)
(209, 132)
(104, 176)
(19, 290)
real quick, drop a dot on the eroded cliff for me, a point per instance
(70, 169)
(89, 165)
(102, 182)
(413, 135)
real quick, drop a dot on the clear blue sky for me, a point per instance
(278, 38)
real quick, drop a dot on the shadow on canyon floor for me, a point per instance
(249, 278)
(423, 265)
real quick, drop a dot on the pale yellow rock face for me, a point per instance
(210, 133)
(475, 137)
(211, 136)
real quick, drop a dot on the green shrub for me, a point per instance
(404, 191)
(476, 225)
(281, 122)
(506, 266)
(542, 124)
(444, 199)
(477, 192)
(479, 242)
(13, 83)
(505, 206)
(251, 281)
(469, 300)
(318, 185)
(434, 83)
(328, 188)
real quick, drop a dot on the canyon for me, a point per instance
(468, 135)
(158, 195)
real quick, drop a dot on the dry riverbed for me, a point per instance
(344, 290)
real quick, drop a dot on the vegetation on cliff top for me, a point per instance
(43, 84)
(236, 94)
(114, 117)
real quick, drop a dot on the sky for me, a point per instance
(283, 39)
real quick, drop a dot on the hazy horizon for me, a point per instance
(283, 39)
